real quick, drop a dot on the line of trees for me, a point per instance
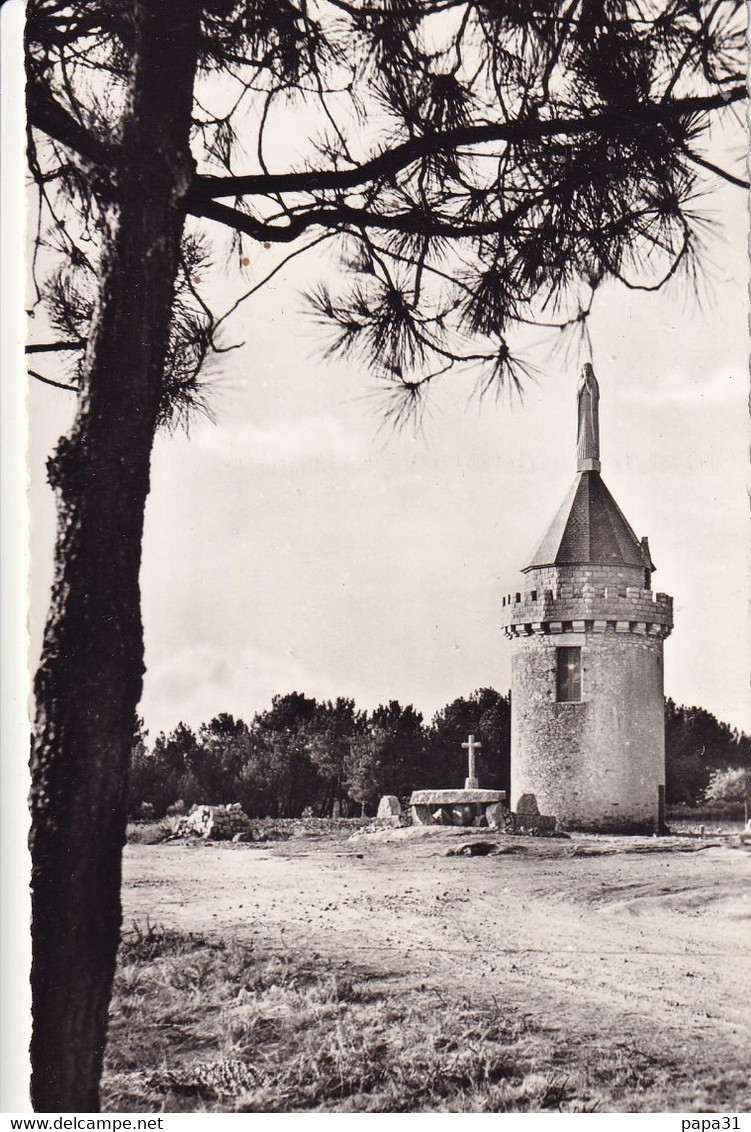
(332, 758)
(700, 750)
(329, 757)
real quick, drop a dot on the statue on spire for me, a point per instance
(588, 431)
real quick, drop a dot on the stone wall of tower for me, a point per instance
(598, 763)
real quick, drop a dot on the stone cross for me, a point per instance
(470, 747)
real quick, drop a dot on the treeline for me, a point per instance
(330, 758)
(698, 750)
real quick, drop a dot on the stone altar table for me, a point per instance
(452, 807)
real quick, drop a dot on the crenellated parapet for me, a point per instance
(587, 608)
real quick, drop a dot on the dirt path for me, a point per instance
(602, 940)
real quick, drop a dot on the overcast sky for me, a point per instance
(294, 546)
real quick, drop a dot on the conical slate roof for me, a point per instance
(589, 528)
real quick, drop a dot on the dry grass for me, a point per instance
(204, 1025)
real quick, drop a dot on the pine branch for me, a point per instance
(56, 384)
(53, 347)
(388, 164)
(47, 115)
(337, 215)
(705, 164)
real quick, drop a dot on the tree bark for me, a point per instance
(90, 676)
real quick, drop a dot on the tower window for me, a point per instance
(569, 674)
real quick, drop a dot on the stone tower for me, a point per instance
(586, 630)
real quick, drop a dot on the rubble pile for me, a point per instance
(215, 823)
(526, 819)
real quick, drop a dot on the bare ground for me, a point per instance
(632, 947)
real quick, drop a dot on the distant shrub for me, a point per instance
(727, 785)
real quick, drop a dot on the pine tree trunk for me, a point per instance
(89, 681)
